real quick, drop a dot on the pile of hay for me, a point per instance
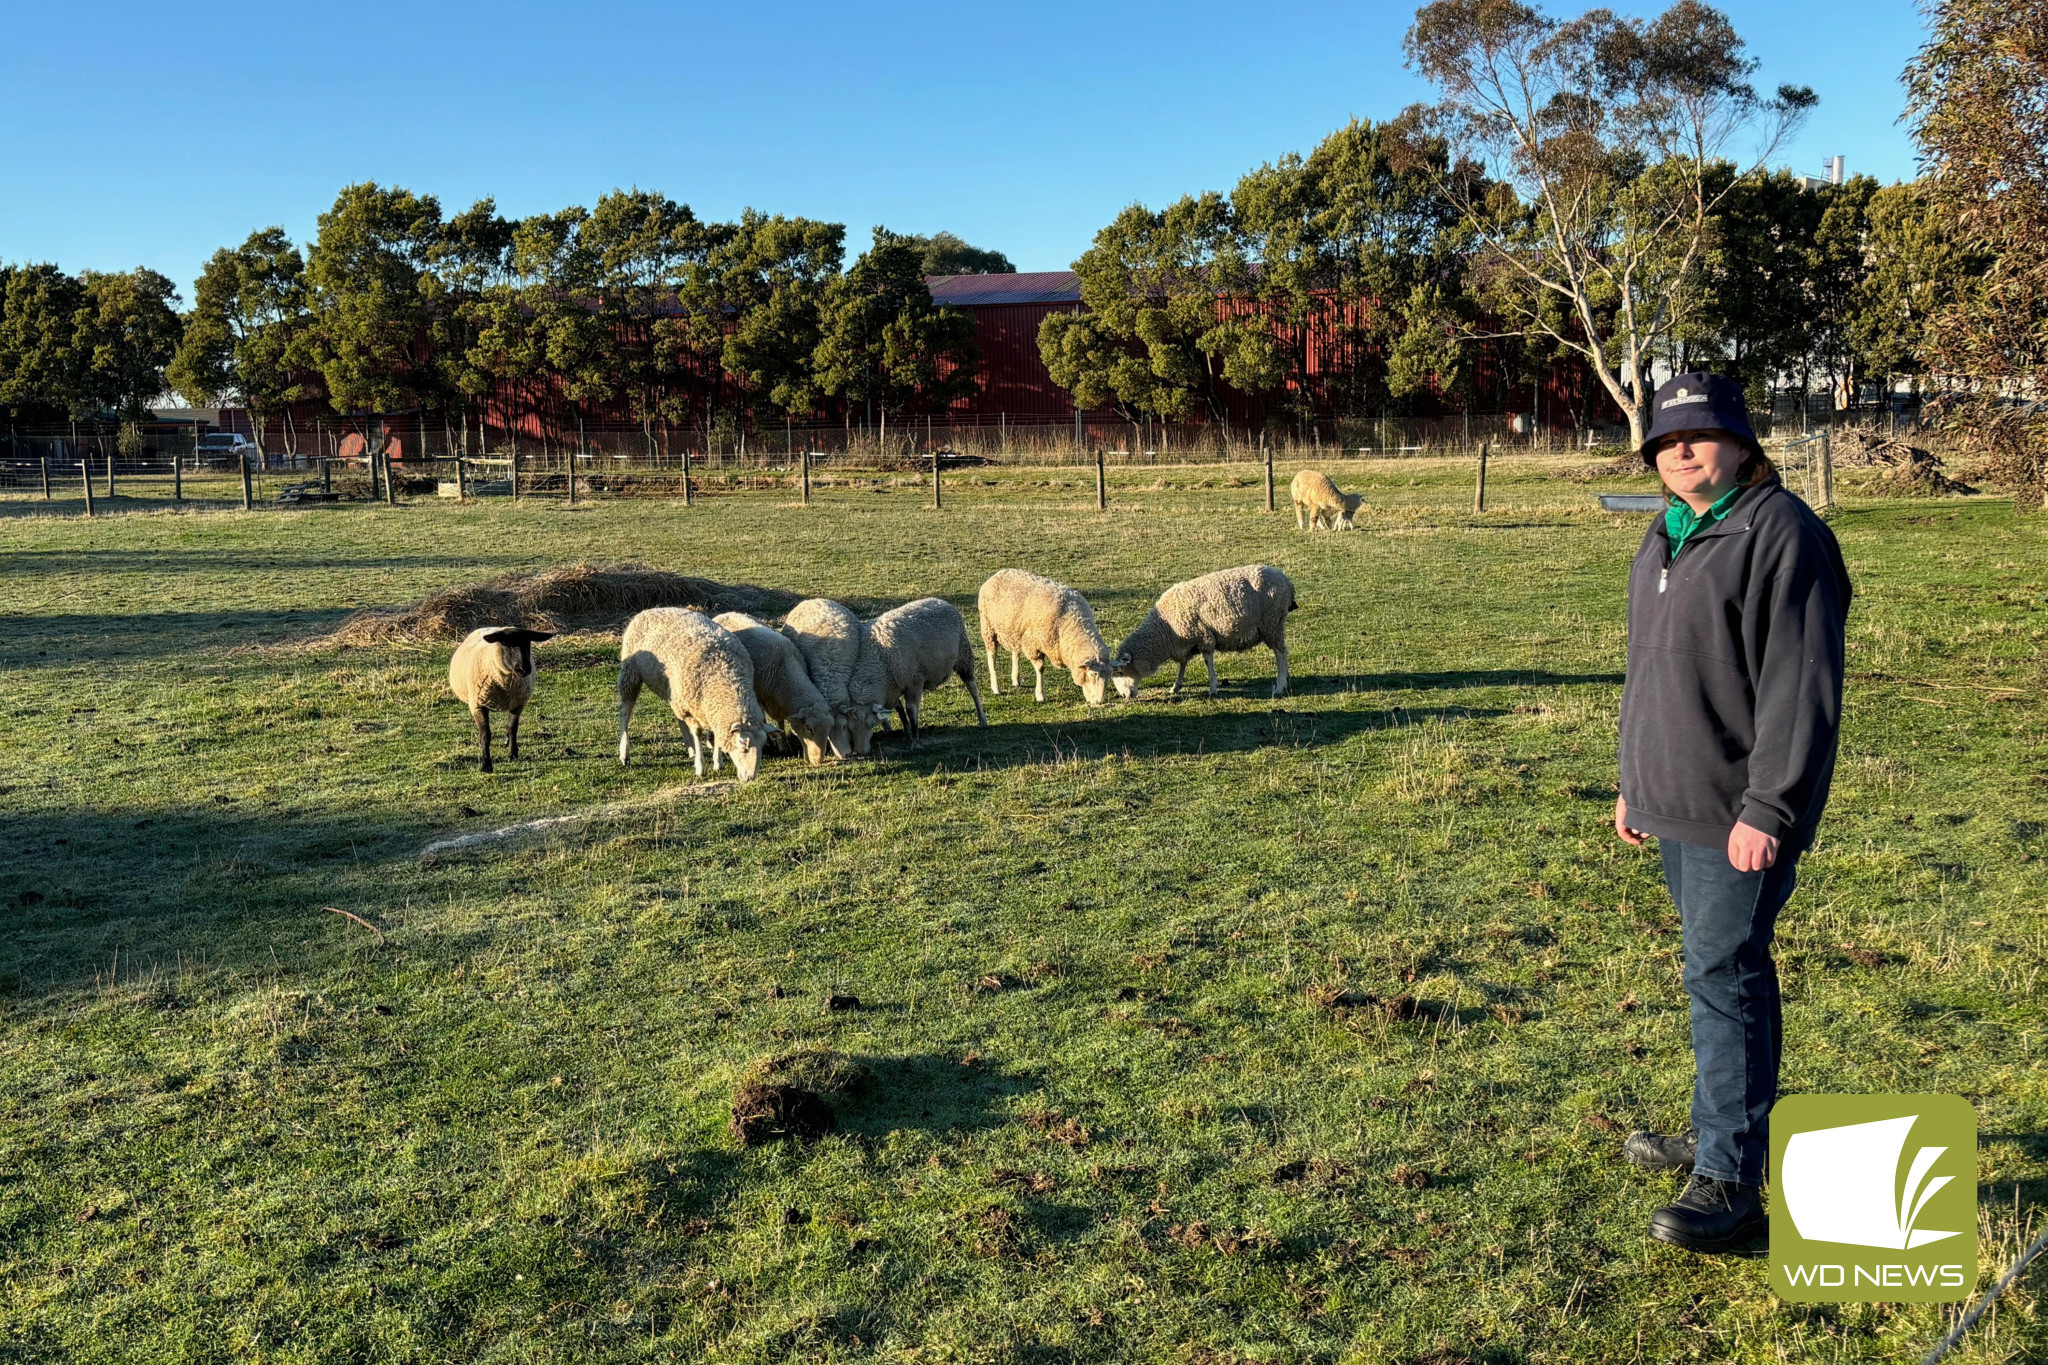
(785, 1097)
(1624, 465)
(576, 597)
(1905, 470)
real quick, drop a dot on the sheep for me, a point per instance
(784, 686)
(1047, 623)
(704, 674)
(1313, 492)
(492, 669)
(840, 656)
(922, 644)
(1229, 610)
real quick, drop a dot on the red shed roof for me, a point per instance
(1034, 286)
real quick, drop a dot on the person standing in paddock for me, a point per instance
(1737, 605)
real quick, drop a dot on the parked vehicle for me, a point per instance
(226, 449)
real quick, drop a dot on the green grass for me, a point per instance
(1112, 963)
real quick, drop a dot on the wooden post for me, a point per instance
(1003, 433)
(1266, 449)
(111, 455)
(177, 478)
(85, 473)
(686, 473)
(515, 471)
(390, 484)
(1101, 482)
(1479, 489)
(807, 473)
(248, 493)
(936, 504)
(326, 474)
(1827, 470)
(461, 478)
(44, 459)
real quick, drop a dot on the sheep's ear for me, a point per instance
(508, 636)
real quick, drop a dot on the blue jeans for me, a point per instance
(1737, 1029)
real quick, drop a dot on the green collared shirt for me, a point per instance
(1681, 523)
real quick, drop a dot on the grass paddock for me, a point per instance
(1132, 1095)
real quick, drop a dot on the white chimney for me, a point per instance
(1835, 171)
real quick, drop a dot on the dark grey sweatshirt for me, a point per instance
(1733, 701)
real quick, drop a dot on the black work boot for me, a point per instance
(1711, 1216)
(1656, 1152)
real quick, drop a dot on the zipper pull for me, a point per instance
(1663, 579)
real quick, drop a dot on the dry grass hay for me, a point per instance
(575, 597)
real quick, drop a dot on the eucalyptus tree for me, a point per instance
(884, 344)
(945, 253)
(1601, 140)
(128, 333)
(368, 270)
(43, 366)
(754, 301)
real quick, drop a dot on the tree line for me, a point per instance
(395, 305)
(1571, 195)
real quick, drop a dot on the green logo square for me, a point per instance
(1873, 1198)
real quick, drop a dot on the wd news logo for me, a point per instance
(1876, 1198)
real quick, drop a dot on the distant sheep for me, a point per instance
(704, 674)
(1314, 494)
(492, 670)
(1230, 610)
(841, 658)
(783, 685)
(1048, 623)
(922, 644)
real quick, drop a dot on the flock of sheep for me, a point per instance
(828, 678)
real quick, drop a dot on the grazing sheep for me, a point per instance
(1048, 623)
(492, 670)
(706, 677)
(922, 644)
(1314, 494)
(1229, 610)
(840, 656)
(783, 685)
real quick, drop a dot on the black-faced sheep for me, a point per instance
(492, 670)
(922, 644)
(704, 674)
(1048, 623)
(1229, 611)
(1315, 495)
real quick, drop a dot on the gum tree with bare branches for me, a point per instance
(1591, 158)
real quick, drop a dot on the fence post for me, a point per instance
(686, 471)
(1080, 433)
(44, 458)
(1101, 483)
(85, 473)
(936, 504)
(1827, 470)
(807, 473)
(177, 478)
(390, 484)
(112, 455)
(1266, 449)
(1479, 489)
(515, 471)
(248, 493)
(326, 474)
(461, 479)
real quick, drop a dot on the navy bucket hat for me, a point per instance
(1698, 401)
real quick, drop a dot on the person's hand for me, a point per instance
(1750, 849)
(1628, 836)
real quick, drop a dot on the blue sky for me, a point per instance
(153, 133)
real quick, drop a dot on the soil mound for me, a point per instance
(783, 1098)
(575, 597)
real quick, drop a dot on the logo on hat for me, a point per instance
(1683, 395)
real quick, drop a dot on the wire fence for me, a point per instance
(88, 467)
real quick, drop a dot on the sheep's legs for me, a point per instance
(1038, 674)
(1209, 658)
(1015, 659)
(980, 715)
(483, 736)
(696, 749)
(512, 736)
(1177, 677)
(1280, 671)
(1297, 518)
(717, 752)
(629, 693)
(994, 685)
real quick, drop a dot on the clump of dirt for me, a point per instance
(574, 597)
(786, 1097)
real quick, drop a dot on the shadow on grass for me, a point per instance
(39, 563)
(1485, 677)
(929, 1092)
(86, 637)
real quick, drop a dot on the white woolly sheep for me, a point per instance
(492, 670)
(1048, 623)
(783, 685)
(1230, 610)
(1314, 494)
(922, 644)
(840, 656)
(706, 677)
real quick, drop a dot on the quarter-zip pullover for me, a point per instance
(1732, 706)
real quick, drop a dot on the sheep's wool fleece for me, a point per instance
(1313, 488)
(1229, 610)
(705, 671)
(485, 676)
(922, 644)
(838, 652)
(1039, 618)
(780, 678)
